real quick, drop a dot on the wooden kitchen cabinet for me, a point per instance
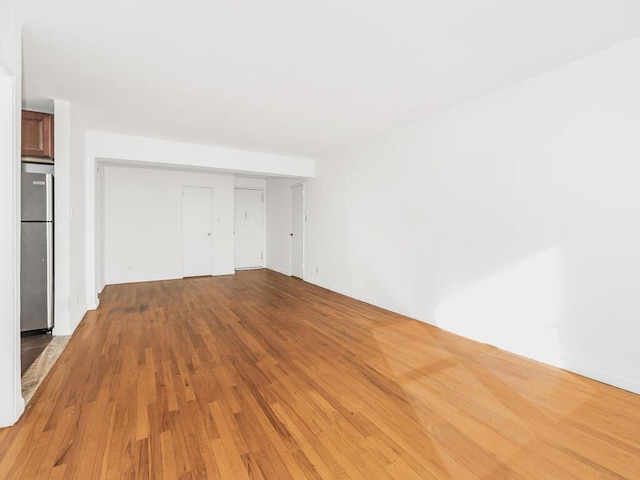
(37, 134)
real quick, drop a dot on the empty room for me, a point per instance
(320, 240)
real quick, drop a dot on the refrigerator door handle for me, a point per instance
(49, 204)
(49, 275)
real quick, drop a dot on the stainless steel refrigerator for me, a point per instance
(36, 274)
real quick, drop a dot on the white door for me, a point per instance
(297, 230)
(196, 231)
(249, 228)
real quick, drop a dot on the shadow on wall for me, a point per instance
(516, 310)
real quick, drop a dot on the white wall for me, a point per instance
(143, 222)
(11, 402)
(513, 219)
(78, 303)
(249, 182)
(62, 204)
(279, 223)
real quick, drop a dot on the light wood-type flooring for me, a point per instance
(261, 376)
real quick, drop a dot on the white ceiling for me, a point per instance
(294, 76)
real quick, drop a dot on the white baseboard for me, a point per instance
(9, 418)
(278, 271)
(632, 386)
(59, 331)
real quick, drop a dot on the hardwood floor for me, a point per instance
(262, 376)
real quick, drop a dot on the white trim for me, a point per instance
(91, 306)
(604, 377)
(10, 129)
(304, 227)
(101, 172)
(278, 271)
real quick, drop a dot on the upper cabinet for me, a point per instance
(37, 134)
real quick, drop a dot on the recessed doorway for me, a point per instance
(249, 228)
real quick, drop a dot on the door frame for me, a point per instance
(264, 221)
(210, 188)
(11, 401)
(304, 226)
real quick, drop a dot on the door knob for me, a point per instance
(291, 234)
